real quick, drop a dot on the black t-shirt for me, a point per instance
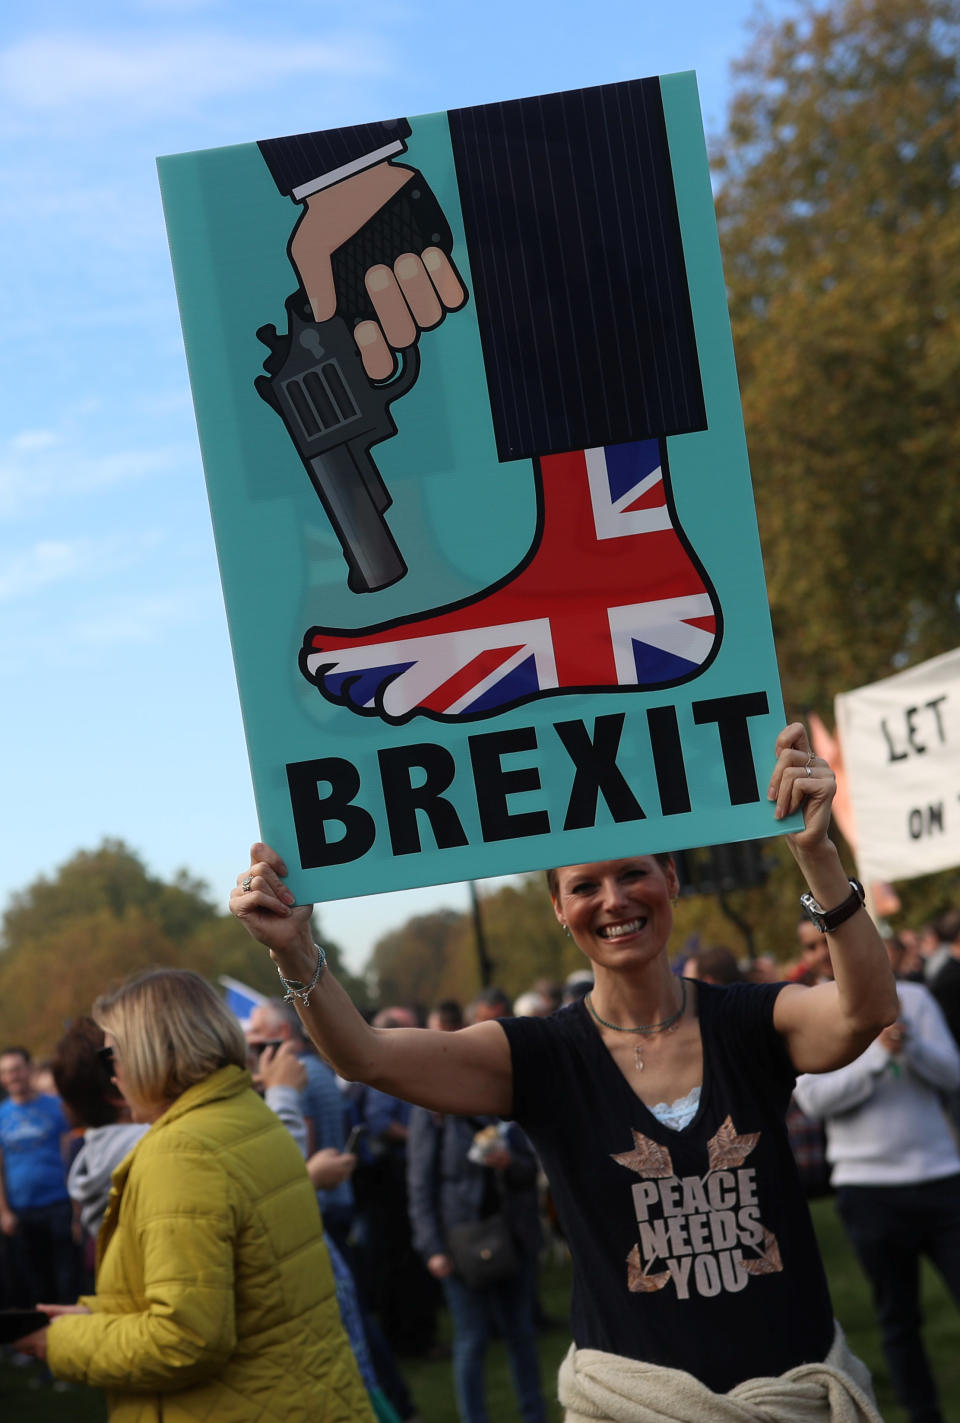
(691, 1249)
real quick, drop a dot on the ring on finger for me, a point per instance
(245, 883)
(807, 771)
(810, 758)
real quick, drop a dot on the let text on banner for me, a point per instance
(901, 748)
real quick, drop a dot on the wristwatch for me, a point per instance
(827, 920)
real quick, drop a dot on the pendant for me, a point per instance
(639, 1046)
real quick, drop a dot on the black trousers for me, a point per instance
(891, 1228)
(44, 1261)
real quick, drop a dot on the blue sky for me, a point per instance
(120, 714)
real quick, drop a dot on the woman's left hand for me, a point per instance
(35, 1344)
(802, 781)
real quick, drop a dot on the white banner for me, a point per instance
(901, 749)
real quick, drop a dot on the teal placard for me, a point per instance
(496, 787)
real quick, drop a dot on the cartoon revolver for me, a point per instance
(332, 382)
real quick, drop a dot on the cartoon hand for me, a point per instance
(411, 296)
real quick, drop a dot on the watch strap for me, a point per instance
(827, 920)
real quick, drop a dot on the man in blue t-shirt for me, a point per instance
(36, 1214)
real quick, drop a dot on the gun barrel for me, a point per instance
(353, 495)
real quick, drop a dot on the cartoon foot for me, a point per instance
(610, 595)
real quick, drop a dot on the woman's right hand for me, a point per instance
(440, 1266)
(267, 909)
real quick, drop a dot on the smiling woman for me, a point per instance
(696, 1269)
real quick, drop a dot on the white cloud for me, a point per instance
(30, 569)
(143, 620)
(176, 7)
(57, 72)
(31, 474)
(28, 440)
(49, 561)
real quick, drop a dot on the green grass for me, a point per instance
(432, 1384)
(851, 1303)
(432, 1387)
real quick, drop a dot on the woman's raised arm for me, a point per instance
(830, 1025)
(468, 1072)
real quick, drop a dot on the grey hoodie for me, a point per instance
(88, 1180)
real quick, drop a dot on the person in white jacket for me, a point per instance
(896, 1169)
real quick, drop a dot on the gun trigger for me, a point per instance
(405, 377)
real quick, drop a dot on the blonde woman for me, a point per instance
(215, 1298)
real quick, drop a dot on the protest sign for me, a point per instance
(481, 496)
(901, 748)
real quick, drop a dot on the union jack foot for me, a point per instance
(610, 595)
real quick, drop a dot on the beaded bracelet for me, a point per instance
(296, 989)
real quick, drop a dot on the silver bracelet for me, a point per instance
(296, 989)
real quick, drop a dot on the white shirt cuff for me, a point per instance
(356, 165)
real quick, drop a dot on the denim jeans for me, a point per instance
(890, 1228)
(511, 1304)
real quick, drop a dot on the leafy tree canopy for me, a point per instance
(839, 208)
(101, 917)
(113, 879)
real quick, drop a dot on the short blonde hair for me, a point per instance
(171, 1031)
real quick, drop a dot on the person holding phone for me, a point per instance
(274, 1031)
(215, 1297)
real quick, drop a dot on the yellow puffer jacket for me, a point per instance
(215, 1299)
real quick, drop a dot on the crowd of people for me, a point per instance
(264, 1221)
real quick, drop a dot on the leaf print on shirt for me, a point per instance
(648, 1157)
(702, 1232)
(726, 1148)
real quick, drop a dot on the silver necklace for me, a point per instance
(669, 1025)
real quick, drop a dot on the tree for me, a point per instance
(409, 963)
(113, 879)
(101, 917)
(56, 976)
(839, 211)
